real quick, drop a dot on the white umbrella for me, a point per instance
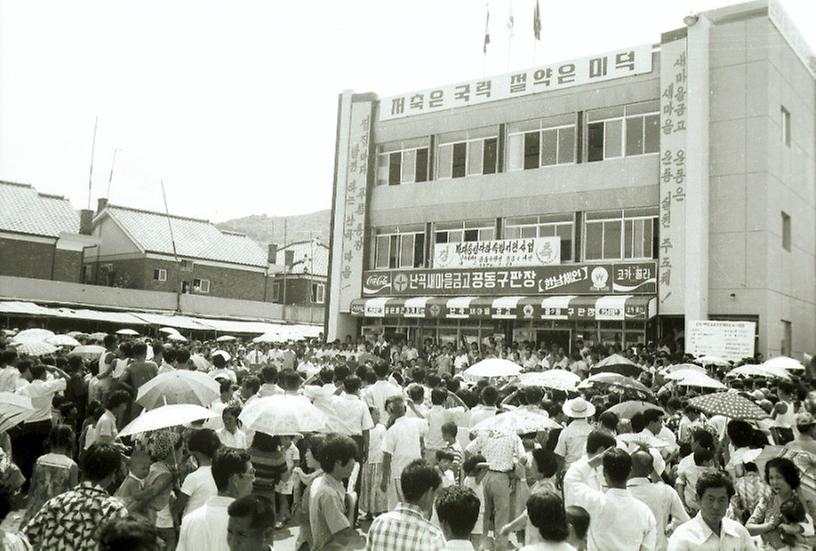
(751, 370)
(176, 337)
(692, 378)
(713, 360)
(169, 330)
(680, 374)
(100, 336)
(167, 416)
(684, 367)
(269, 337)
(76, 334)
(223, 353)
(35, 348)
(557, 379)
(283, 414)
(178, 387)
(225, 338)
(200, 362)
(127, 332)
(14, 409)
(33, 334)
(62, 340)
(88, 351)
(780, 361)
(519, 421)
(493, 367)
(640, 439)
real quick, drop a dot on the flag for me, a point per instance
(537, 22)
(487, 32)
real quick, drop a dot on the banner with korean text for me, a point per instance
(673, 87)
(608, 66)
(506, 253)
(730, 340)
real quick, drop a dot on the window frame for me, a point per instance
(787, 231)
(201, 286)
(402, 150)
(623, 219)
(623, 120)
(540, 223)
(540, 131)
(186, 265)
(463, 227)
(786, 126)
(161, 273)
(318, 293)
(396, 236)
(468, 151)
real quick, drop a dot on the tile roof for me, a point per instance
(194, 238)
(312, 257)
(25, 210)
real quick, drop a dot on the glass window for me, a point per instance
(786, 126)
(491, 147)
(613, 132)
(408, 166)
(471, 235)
(786, 231)
(515, 151)
(651, 142)
(406, 250)
(459, 159)
(593, 241)
(382, 168)
(634, 136)
(393, 251)
(532, 143)
(595, 142)
(566, 145)
(474, 157)
(421, 168)
(612, 240)
(382, 252)
(394, 169)
(549, 147)
(445, 161)
(419, 250)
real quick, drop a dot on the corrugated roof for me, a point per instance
(194, 238)
(311, 257)
(25, 210)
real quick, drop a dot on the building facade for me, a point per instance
(302, 272)
(612, 198)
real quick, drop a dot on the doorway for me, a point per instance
(546, 338)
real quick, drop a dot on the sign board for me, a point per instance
(588, 70)
(731, 340)
(575, 279)
(673, 110)
(506, 253)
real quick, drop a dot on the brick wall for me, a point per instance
(26, 258)
(68, 266)
(298, 290)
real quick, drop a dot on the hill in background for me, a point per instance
(270, 229)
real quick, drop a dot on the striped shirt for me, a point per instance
(404, 529)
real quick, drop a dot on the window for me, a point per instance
(615, 235)
(87, 273)
(617, 131)
(403, 162)
(559, 225)
(547, 142)
(160, 274)
(467, 153)
(187, 265)
(786, 127)
(786, 231)
(318, 292)
(786, 346)
(276, 291)
(457, 232)
(399, 248)
(201, 285)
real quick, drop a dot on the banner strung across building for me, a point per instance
(638, 278)
(507, 253)
(576, 72)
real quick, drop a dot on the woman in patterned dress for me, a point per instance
(54, 472)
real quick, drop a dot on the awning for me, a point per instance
(559, 307)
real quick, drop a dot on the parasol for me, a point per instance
(98, 336)
(88, 351)
(684, 367)
(269, 337)
(694, 378)
(283, 414)
(713, 360)
(128, 332)
(223, 353)
(177, 337)
(76, 334)
(200, 362)
(493, 367)
(617, 380)
(33, 335)
(780, 361)
(35, 348)
(225, 338)
(728, 404)
(627, 410)
(62, 340)
(518, 421)
(643, 440)
(14, 409)
(167, 416)
(752, 370)
(557, 379)
(178, 387)
(617, 364)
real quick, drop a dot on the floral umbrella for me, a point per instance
(728, 404)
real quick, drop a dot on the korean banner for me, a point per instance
(730, 340)
(507, 253)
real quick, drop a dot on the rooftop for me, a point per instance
(310, 257)
(25, 210)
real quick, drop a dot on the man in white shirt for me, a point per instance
(486, 409)
(653, 418)
(572, 439)
(8, 370)
(619, 520)
(457, 508)
(231, 436)
(709, 530)
(352, 417)
(199, 485)
(596, 445)
(377, 394)
(662, 499)
(403, 442)
(438, 416)
(205, 529)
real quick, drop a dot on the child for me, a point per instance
(54, 472)
(687, 481)
(372, 498)
(578, 522)
(134, 482)
(444, 461)
(453, 447)
(474, 470)
(794, 520)
(285, 486)
(544, 467)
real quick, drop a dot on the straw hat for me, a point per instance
(578, 408)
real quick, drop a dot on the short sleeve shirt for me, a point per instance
(327, 510)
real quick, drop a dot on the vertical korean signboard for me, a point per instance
(352, 205)
(673, 90)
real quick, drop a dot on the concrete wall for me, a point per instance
(26, 258)
(754, 177)
(67, 265)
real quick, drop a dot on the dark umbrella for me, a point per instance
(617, 364)
(627, 410)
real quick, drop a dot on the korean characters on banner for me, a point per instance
(672, 177)
(354, 206)
(507, 253)
(576, 72)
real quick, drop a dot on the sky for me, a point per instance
(233, 104)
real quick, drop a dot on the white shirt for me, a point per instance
(571, 443)
(8, 378)
(458, 545)
(664, 503)
(697, 536)
(200, 486)
(351, 415)
(377, 394)
(402, 441)
(500, 450)
(165, 368)
(375, 438)
(205, 529)
(438, 416)
(581, 470)
(480, 413)
(547, 546)
(620, 521)
(41, 393)
(236, 440)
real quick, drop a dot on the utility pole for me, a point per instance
(285, 267)
(90, 175)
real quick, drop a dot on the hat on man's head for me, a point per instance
(805, 419)
(757, 395)
(578, 408)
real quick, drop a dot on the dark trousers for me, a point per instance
(33, 437)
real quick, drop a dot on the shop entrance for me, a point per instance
(546, 338)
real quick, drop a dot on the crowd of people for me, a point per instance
(409, 459)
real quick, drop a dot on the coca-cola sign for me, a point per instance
(376, 284)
